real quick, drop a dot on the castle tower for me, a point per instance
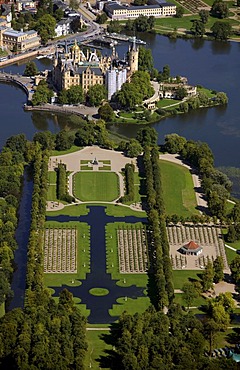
(133, 57)
(75, 53)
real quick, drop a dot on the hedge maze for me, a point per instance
(209, 237)
(132, 250)
(60, 250)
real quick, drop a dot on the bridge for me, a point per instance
(26, 83)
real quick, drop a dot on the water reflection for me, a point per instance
(220, 47)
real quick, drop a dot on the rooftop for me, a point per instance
(191, 245)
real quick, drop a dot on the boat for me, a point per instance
(41, 56)
(137, 41)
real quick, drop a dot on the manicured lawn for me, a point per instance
(230, 254)
(99, 292)
(206, 91)
(96, 348)
(178, 189)
(86, 168)
(73, 149)
(166, 102)
(105, 168)
(196, 302)
(130, 305)
(52, 187)
(52, 177)
(117, 210)
(52, 192)
(96, 186)
(180, 277)
(112, 258)
(74, 210)
(172, 23)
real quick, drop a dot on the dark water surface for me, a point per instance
(22, 235)
(98, 277)
(212, 64)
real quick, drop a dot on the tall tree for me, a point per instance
(31, 69)
(207, 276)
(189, 293)
(221, 30)
(218, 267)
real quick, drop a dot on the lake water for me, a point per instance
(212, 64)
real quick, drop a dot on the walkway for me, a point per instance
(200, 197)
(26, 83)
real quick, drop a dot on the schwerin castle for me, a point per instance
(74, 67)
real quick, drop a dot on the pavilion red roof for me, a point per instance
(191, 245)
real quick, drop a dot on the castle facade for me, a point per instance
(74, 67)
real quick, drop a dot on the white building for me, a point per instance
(63, 27)
(119, 12)
(115, 78)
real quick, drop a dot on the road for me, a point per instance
(92, 30)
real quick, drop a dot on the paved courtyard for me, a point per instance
(72, 160)
(207, 236)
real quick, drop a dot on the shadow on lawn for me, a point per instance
(111, 360)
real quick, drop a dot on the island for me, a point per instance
(85, 82)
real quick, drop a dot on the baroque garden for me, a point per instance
(128, 248)
(95, 177)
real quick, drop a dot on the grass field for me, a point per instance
(197, 302)
(180, 277)
(130, 305)
(117, 210)
(178, 189)
(73, 149)
(172, 24)
(97, 348)
(96, 186)
(162, 103)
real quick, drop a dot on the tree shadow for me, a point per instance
(234, 337)
(110, 359)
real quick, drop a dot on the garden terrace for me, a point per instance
(194, 6)
(132, 250)
(209, 237)
(60, 250)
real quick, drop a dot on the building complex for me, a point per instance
(157, 9)
(74, 67)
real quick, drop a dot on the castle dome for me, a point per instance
(75, 47)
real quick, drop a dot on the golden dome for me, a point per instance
(75, 46)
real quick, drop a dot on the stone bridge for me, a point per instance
(26, 83)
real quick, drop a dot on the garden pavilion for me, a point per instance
(191, 249)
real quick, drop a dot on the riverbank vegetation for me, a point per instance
(12, 161)
(48, 326)
(219, 20)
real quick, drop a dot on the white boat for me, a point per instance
(41, 56)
